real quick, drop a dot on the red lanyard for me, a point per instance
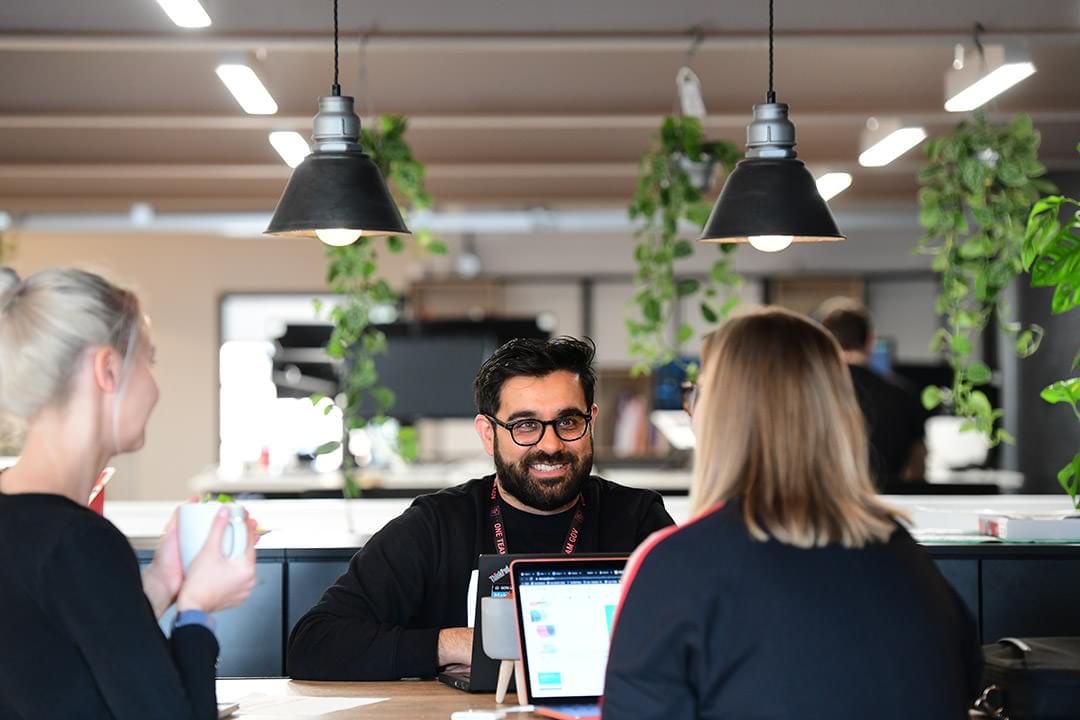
(498, 527)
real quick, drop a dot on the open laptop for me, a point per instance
(565, 611)
(493, 580)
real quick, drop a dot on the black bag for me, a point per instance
(1032, 679)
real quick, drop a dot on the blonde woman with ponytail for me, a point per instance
(79, 635)
(794, 591)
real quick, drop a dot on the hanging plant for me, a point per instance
(1052, 255)
(976, 194)
(353, 273)
(675, 174)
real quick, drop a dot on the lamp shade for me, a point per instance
(337, 186)
(770, 195)
(331, 190)
(765, 196)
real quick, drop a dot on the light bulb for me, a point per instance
(338, 237)
(770, 243)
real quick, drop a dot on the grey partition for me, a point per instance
(250, 636)
(308, 580)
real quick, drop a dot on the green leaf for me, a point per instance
(1025, 343)
(1069, 479)
(687, 287)
(685, 332)
(383, 398)
(1076, 362)
(1066, 391)
(437, 248)
(730, 304)
(931, 397)
(650, 308)
(979, 403)
(708, 313)
(682, 248)
(979, 373)
(395, 243)
(327, 447)
(961, 345)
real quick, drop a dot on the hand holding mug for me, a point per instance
(219, 563)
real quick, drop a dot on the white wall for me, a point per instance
(903, 309)
(180, 280)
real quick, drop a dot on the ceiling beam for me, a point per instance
(587, 42)
(435, 171)
(485, 122)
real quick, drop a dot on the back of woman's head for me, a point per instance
(779, 427)
(47, 322)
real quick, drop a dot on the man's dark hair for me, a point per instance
(850, 325)
(531, 357)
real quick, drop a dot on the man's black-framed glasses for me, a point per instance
(530, 431)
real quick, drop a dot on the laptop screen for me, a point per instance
(566, 611)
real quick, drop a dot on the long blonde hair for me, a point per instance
(779, 428)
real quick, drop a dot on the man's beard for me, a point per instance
(548, 493)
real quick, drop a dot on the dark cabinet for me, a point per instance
(1030, 596)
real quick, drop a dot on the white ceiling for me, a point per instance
(513, 104)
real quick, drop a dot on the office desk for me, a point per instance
(407, 699)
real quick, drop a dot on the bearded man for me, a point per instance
(400, 609)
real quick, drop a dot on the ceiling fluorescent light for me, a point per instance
(291, 146)
(981, 80)
(882, 142)
(185, 13)
(246, 87)
(832, 184)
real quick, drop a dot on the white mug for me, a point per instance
(195, 522)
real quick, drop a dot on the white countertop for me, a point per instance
(323, 523)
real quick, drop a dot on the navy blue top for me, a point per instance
(714, 624)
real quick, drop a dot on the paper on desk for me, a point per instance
(299, 706)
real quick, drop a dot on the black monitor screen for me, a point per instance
(429, 366)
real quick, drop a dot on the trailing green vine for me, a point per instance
(667, 195)
(353, 273)
(976, 192)
(1052, 255)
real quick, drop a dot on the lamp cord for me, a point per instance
(336, 89)
(771, 97)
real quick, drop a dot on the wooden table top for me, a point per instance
(405, 699)
(412, 699)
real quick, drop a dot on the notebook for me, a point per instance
(566, 611)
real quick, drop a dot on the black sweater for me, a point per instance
(78, 638)
(768, 631)
(381, 620)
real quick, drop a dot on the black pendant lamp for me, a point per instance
(337, 193)
(770, 199)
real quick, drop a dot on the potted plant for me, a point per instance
(977, 190)
(675, 175)
(353, 273)
(1051, 254)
